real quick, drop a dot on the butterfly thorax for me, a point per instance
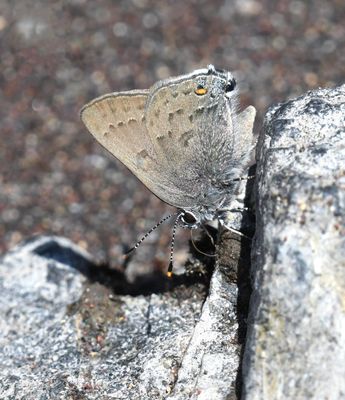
(210, 203)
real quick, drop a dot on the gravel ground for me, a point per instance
(57, 55)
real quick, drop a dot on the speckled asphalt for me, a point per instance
(57, 55)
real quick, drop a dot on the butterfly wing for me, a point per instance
(199, 134)
(117, 121)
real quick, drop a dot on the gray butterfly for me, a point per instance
(183, 138)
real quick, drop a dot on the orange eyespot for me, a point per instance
(200, 90)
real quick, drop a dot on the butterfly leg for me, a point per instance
(229, 228)
(204, 228)
(226, 219)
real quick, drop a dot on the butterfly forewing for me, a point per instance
(117, 121)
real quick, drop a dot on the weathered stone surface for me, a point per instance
(296, 343)
(211, 362)
(70, 329)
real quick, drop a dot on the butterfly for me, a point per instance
(184, 139)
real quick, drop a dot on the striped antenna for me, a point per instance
(244, 178)
(170, 267)
(148, 233)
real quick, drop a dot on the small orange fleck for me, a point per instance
(200, 91)
(169, 274)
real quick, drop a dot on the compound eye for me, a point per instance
(230, 86)
(188, 218)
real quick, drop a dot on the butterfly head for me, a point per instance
(213, 83)
(197, 217)
(190, 219)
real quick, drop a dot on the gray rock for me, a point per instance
(209, 369)
(70, 329)
(296, 341)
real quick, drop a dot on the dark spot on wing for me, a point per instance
(185, 138)
(199, 111)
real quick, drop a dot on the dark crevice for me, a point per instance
(243, 275)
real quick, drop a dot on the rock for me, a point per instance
(295, 347)
(71, 329)
(209, 368)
